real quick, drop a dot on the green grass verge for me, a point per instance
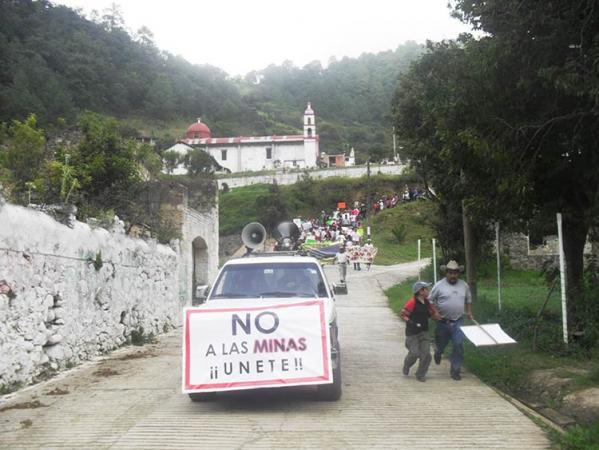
(508, 367)
(415, 218)
(580, 438)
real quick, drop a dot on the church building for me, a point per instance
(255, 153)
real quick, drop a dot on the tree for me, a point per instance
(198, 162)
(112, 18)
(171, 160)
(545, 106)
(160, 98)
(105, 164)
(509, 122)
(145, 37)
(25, 151)
(271, 207)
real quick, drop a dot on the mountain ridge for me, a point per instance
(56, 63)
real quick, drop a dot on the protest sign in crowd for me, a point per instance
(342, 227)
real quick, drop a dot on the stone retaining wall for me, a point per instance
(77, 292)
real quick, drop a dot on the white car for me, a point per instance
(259, 280)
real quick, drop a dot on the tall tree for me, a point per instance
(546, 105)
(516, 112)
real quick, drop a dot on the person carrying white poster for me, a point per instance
(489, 334)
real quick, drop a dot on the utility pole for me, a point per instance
(394, 148)
(469, 246)
(469, 250)
(368, 200)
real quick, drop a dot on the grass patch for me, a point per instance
(509, 367)
(580, 438)
(399, 294)
(309, 197)
(413, 218)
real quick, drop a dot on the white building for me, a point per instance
(241, 154)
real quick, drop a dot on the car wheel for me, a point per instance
(332, 392)
(202, 396)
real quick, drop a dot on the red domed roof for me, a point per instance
(198, 130)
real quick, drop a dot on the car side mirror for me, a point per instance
(201, 294)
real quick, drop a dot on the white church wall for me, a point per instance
(288, 153)
(244, 158)
(311, 152)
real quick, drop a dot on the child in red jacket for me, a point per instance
(416, 313)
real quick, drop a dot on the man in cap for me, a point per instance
(452, 298)
(416, 313)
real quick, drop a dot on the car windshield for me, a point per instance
(270, 280)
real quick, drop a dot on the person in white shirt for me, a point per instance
(368, 248)
(341, 260)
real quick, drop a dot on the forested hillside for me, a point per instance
(56, 64)
(351, 96)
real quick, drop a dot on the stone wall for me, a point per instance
(72, 293)
(516, 246)
(293, 177)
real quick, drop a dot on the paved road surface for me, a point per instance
(132, 399)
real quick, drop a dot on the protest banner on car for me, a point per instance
(242, 347)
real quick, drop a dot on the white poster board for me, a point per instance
(285, 344)
(489, 334)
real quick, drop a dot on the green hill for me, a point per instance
(414, 219)
(56, 63)
(307, 198)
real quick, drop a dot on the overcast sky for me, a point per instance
(240, 35)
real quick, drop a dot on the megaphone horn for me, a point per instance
(287, 230)
(253, 235)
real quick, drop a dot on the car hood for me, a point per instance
(329, 303)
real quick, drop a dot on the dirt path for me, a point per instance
(132, 399)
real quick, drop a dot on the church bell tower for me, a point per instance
(309, 123)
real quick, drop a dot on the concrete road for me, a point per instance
(132, 399)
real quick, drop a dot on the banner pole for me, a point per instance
(418, 250)
(434, 260)
(562, 276)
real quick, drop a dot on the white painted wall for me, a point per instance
(252, 157)
(293, 177)
(65, 310)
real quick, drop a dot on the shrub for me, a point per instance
(399, 233)
(581, 438)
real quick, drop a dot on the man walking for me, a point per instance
(416, 313)
(341, 259)
(452, 297)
